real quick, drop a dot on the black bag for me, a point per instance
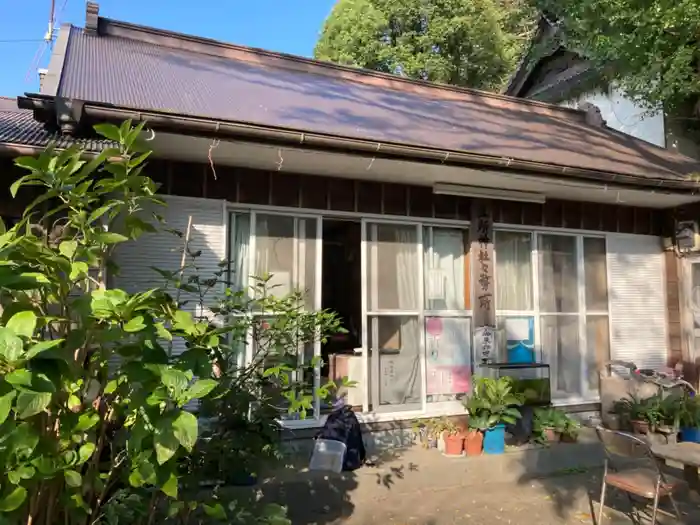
(342, 425)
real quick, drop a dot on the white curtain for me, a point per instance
(406, 267)
(513, 271)
(561, 348)
(240, 253)
(444, 269)
(558, 274)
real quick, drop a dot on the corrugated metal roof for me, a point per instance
(18, 127)
(154, 75)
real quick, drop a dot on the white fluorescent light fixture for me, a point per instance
(444, 188)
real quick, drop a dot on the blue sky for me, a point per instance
(291, 26)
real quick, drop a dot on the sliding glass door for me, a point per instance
(417, 300)
(275, 255)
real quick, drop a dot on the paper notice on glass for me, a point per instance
(484, 343)
(517, 329)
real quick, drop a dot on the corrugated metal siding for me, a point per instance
(164, 250)
(637, 300)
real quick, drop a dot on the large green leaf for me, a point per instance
(85, 452)
(73, 478)
(174, 379)
(6, 405)
(23, 323)
(108, 131)
(166, 445)
(20, 377)
(13, 500)
(111, 238)
(68, 248)
(185, 429)
(169, 488)
(10, 344)
(201, 388)
(135, 325)
(86, 422)
(31, 403)
(43, 346)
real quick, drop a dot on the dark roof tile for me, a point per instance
(18, 127)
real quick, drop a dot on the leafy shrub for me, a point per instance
(95, 419)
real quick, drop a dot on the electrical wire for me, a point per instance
(22, 41)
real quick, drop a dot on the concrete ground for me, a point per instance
(558, 485)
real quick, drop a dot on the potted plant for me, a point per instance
(549, 424)
(474, 439)
(494, 400)
(453, 439)
(689, 418)
(571, 429)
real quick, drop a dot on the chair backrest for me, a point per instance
(624, 450)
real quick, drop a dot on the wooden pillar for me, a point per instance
(484, 308)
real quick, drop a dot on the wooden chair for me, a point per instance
(631, 467)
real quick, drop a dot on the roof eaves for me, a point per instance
(518, 77)
(204, 126)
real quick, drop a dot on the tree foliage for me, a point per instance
(95, 409)
(472, 43)
(650, 48)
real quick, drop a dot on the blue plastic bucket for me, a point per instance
(495, 440)
(690, 434)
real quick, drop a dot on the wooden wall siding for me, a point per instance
(247, 186)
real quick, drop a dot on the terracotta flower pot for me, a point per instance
(473, 443)
(640, 427)
(454, 445)
(551, 435)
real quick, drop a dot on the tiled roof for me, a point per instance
(187, 76)
(18, 127)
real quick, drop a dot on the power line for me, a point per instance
(22, 41)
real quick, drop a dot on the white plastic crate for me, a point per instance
(328, 455)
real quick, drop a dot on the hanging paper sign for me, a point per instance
(484, 339)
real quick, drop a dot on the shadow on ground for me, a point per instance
(574, 488)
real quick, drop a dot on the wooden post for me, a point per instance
(482, 264)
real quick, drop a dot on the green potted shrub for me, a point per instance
(474, 439)
(549, 424)
(689, 418)
(572, 427)
(496, 402)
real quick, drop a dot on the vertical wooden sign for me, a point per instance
(484, 312)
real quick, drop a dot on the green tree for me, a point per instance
(648, 48)
(471, 43)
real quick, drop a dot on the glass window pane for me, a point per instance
(285, 249)
(395, 369)
(239, 257)
(596, 274)
(558, 274)
(598, 348)
(513, 270)
(449, 359)
(393, 267)
(515, 339)
(560, 346)
(445, 272)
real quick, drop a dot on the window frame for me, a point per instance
(586, 395)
